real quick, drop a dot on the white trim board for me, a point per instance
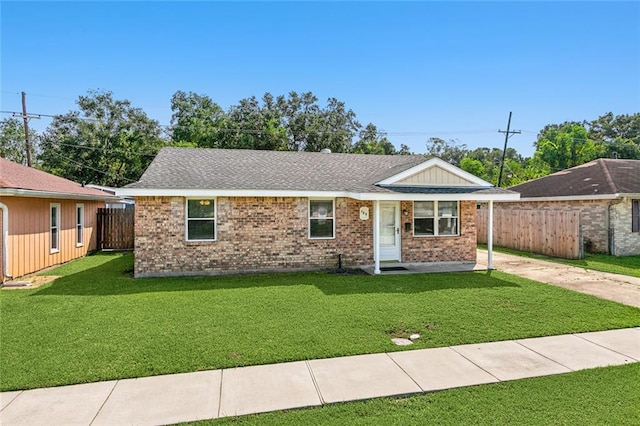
(365, 196)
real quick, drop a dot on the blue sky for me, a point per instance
(418, 69)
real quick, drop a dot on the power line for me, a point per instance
(97, 148)
(110, 173)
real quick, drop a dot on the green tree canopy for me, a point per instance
(561, 146)
(450, 151)
(295, 122)
(106, 141)
(12, 141)
(373, 142)
(195, 120)
(618, 136)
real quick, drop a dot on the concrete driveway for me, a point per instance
(619, 288)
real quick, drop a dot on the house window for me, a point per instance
(321, 219)
(635, 215)
(54, 228)
(201, 220)
(79, 225)
(435, 218)
(423, 218)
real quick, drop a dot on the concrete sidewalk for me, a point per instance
(237, 391)
(619, 288)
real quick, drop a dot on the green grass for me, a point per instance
(603, 396)
(97, 323)
(625, 265)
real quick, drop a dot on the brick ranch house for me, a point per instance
(212, 211)
(607, 194)
(46, 220)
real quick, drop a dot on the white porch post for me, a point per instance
(490, 237)
(376, 236)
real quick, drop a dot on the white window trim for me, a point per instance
(333, 218)
(436, 219)
(80, 225)
(215, 219)
(57, 227)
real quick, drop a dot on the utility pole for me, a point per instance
(26, 118)
(507, 135)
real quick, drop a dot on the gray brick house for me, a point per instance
(212, 211)
(607, 194)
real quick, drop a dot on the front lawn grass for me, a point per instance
(624, 265)
(603, 396)
(98, 323)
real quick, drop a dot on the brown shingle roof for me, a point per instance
(196, 168)
(604, 176)
(19, 177)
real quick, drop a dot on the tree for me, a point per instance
(373, 142)
(561, 146)
(294, 122)
(618, 136)
(196, 120)
(450, 151)
(404, 150)
(106, 141)
(254, 126)
(12, 141)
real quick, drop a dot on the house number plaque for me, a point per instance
(364, 213)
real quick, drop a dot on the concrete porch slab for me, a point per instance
(263, 388)
(66, 405)
(422, 268)
(7, 397)
(163, 399)
(574, 353)
(509, 361)
(360, 377)
(440, 368)
(625, 341)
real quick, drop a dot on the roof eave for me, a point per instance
(576, 197)
(368, 196)
(58, 195)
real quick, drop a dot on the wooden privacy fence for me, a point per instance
(115, 229)
(549, 232)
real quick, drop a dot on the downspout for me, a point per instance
(376, 237)
(5, 241)
(490, 237)
(611, 235)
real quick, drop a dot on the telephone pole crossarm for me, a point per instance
(507, 134)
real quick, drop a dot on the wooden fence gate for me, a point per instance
(550, 232)
(115, 229)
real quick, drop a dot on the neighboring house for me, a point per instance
(211, 211)
(46, 220)
(607, 194)
(119, 202)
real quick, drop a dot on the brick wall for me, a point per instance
(441, 249)
(625, 242)
(258, 233)
(594, 217)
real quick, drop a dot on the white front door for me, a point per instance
(389, 230)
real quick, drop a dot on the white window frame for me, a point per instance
(187, 219)
(333, 218)
(55, 249)
(79, 225)
(436, 220)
